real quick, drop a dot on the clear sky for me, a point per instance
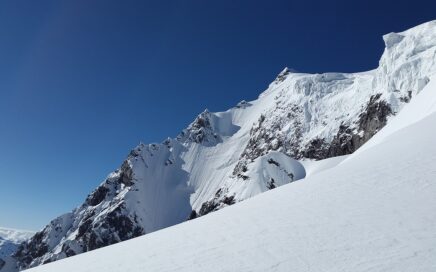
(83, 81)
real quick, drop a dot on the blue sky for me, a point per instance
(82, 82)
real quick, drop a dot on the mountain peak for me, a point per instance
(283, 74)
(222, 158)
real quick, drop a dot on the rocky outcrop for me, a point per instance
(102, 220)
(201, 131)
(36, 247)
(243, 104)
(97, 196)
(370, 121)
(114, 228)
(268, 134)
(282, 75)
(220, 200)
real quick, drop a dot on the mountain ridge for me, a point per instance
(371, 212)
(214, 162)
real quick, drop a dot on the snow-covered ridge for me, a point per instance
(373, 212)
(226, 157)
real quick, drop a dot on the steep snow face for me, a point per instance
(226, 157)
(407, 62)
(373, 212)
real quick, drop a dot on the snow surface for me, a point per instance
(312, 167)
(372, 212)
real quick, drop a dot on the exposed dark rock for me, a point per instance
(270, 184)
(201, 131)
(208, 207)
(122, 224)
(2, 263)
(136, 151)
(84, 227)
(317, 149)
(167, 143)
(243, 104)
(193, 215)
(290, 175)
(266, 135)
(126, 176)
(406, 99)
(271, 161)
(243, 177)
(97, 196)
(241, 167)
(374, 117)
(116, 227)
(91, 227)
(371, 120)
(220, 200)
(282, 75)
(229, 200)
(30, 250)
(345, 142)
(68, 251)
(168, 162)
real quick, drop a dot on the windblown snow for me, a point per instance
(334, 211)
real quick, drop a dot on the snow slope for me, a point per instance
(225, 157)
(312, 167)
(372, 212)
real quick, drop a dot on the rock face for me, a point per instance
(370, 121)
(285, 130)
(201, 131)
(226, 157)
(219, 201)
(102, 220)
